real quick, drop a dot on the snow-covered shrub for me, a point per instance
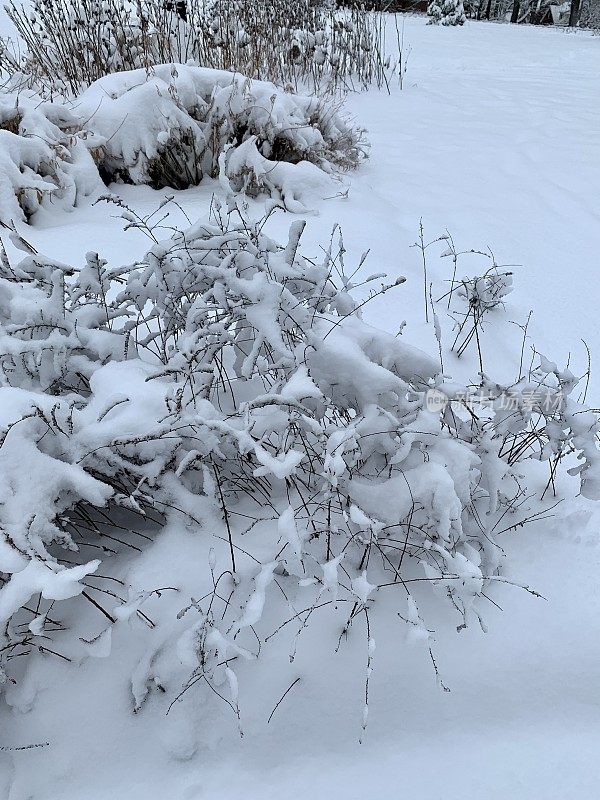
(72, 43)
(228, 370)
(169, 126)
(43, 157)
(446, 12)
(172, 126)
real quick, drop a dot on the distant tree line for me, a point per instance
(582, 13)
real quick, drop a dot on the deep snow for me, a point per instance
(494, 137)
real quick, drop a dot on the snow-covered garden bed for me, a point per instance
(234, 493)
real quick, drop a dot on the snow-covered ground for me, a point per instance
(495, 137)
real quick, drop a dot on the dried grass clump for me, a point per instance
(10, 119)
(297, 43)
(170, 126)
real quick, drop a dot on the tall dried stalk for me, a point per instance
(72, 43)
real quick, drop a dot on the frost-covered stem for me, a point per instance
(284, 695)
(422, 248)
(402, 58)
(368, 673)
(437, 328)
(454, 268)
(476, 321)
(523, 347)
(225, 517)
(438, 677)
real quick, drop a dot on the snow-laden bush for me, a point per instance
(227, 369)
(44, 158)
(72, 43)
(171, 126)
(446, 12)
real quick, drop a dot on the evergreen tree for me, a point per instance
(446, 12)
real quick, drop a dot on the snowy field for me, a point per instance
(495, 138)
